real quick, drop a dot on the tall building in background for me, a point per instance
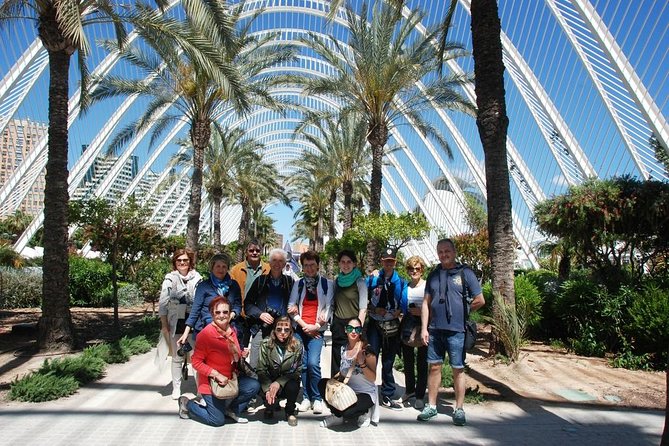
(98, 172)
(17, 141)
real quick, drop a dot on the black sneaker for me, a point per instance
(390, 404)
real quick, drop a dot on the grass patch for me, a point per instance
(474, 396)
(62, 376)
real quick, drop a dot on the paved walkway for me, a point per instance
(132, 406)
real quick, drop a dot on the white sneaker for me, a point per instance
(235, 417)
(304, 406)
(364, 420)
(318, 407)
(331, 421)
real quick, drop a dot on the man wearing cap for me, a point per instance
(385, 292)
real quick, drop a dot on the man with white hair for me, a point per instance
(267, 299)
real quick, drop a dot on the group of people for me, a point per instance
(260, 330)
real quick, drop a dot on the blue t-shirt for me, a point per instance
(445, 287)
(275, 297)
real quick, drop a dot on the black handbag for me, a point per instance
(471, 332)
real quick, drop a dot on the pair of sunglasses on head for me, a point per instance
(351, 329)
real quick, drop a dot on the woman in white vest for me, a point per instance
(176, 299)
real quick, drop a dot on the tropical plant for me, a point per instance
(378, 75)
(180, 81)
(611, 225)
(342, 156)
(60, 27)
(225, 157)
(304, 186)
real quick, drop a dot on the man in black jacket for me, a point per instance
(266, 300)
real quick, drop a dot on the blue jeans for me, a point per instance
(214, 413)
(446, 341)
(389, 347)
(311, 366)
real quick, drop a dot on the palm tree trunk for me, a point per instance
(347, 189)
(378, 137)
(217, 220)
(199, 135)
(332, 231)
(492, 123)
(55, 331)
(243, 229)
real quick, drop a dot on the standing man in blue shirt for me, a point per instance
(443, 325)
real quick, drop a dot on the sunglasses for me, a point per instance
(183, 260)
(411, 270)
(222, 312)
(282, 329)
(351, 329)
(254, 251)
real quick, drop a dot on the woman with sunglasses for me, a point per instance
(356, 354)
(280, 369)
(176, 299)
(415, 358)
(217, 353)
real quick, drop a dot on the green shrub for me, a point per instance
(648, 326)
(628, 360)
(129, 295)
(588, 313)
(149, 277)
(588, 344)
(528, 301)
(148, 327)
(83, 368)
(90, 283)
(446, 375)
(135, 345)
(20, 288)
(36, 387)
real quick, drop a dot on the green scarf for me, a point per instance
(346, 280)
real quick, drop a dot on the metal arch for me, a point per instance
(36, 159)
(20, 80)
(635, 86)
(646, 111)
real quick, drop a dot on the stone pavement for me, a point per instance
(132, 406)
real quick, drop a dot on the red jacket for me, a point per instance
(213, 352)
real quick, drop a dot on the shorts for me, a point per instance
(443, 341)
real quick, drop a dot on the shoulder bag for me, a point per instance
(338, 394)
(226, 392)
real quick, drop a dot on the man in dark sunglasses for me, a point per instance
(245, 272)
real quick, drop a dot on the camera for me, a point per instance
(185, 348)
(272, 312)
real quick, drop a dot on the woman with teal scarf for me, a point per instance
(350, 301)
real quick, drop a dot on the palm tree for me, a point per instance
(182, 81)
(378, 77)
(257, 184)
(229, 150)
(305, 187)
(341, 153)
(60, 27)
(492, 123)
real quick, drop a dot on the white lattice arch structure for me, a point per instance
(585, 91)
